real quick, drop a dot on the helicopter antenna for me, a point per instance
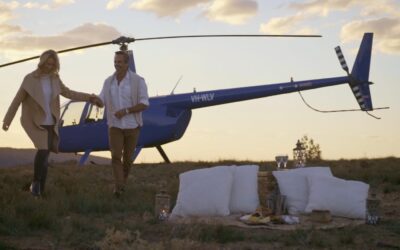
(338, 110)
(176, 84)
(124, 41)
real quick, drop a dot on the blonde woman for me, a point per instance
(40, 97)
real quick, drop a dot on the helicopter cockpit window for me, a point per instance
(95, 114)
(72, 113)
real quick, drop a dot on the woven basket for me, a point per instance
(266, 186)
(321, 216)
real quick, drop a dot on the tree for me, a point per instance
(313, 151)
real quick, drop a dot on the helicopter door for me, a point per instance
(82, 128)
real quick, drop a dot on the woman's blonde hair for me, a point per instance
(49, 54)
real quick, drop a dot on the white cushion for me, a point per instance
(204, 192)
(341, 197)
(244, 196)
(293, 184)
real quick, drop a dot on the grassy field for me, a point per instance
(80, 212)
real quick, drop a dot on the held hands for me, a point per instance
(94, 99)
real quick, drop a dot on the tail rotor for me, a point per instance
(341, 59)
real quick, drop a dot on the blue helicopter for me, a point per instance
(167, 117)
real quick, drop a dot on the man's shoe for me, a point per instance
(35, 189)
(118, 192)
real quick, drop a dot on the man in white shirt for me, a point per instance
(125, 96)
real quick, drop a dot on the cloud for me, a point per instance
(377, 8)
(304, 12)
(60, 3)
(16, 42)
(171, 8)
(6, 14)
(83, 35)
(381, 17)
(9, 5)
(323, 7)
(368, 7)
(386, 32)
(228, 11)
(63, 2)
(6, 29)
(232, 11)
(281, 25)
(55, 4)
(113, 4)
(30, 5)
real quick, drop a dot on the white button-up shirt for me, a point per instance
(121, 98)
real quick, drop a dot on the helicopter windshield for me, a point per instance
(74, 111)
(95, 114)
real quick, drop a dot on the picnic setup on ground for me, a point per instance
(300, 197)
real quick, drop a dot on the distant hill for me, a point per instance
(11, 157)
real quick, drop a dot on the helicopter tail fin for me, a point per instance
(360, 73)
(359, 77)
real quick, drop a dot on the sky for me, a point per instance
(250, 130)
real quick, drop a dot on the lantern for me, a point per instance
(299, 155)
(373, 210)
(162, 205)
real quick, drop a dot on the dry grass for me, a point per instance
(79, 211)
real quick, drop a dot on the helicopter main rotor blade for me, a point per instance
(59, 52)
(84, 47)
(198, 36)
(125, 40)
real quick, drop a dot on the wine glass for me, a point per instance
(281, 161)
(285, 159)
(278, 162)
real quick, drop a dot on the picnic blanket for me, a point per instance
(233, 220)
